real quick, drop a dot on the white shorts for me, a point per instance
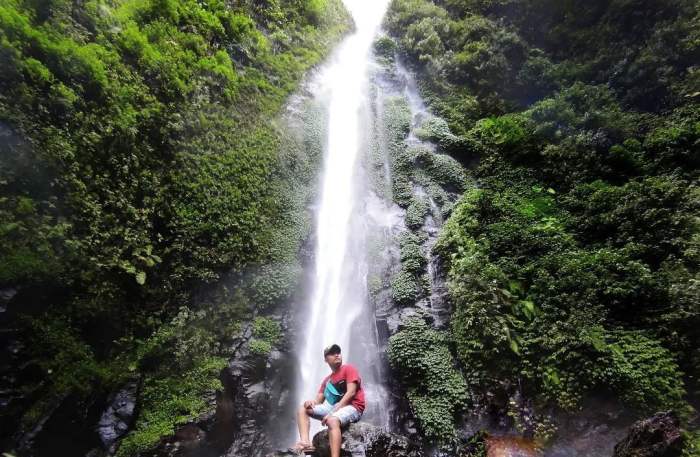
(346, 414)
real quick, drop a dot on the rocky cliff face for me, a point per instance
(657, 436)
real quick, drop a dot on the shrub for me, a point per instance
(405, 288)
(436, 390)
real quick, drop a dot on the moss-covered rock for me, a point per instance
(405, 288)
(436, 391)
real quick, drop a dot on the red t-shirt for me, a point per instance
(341, 378)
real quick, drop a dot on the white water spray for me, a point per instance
(339, 297)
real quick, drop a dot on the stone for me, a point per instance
(117, 418)
(657, 436)
(364, 440)
(6, 295)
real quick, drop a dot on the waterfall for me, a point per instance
(338, 310)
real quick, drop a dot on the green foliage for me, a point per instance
(397, 122)
(142, 162)
(525, 294)
(260, 347)
(506, 131)
(441, 169)
(412, 257)
(181, 364)
(436, 129)
(267, 329)
(139, 99)
(385, 48)
(644, 372)
(416, 213)
(171, 401)
(476, 445)
(405, 287)
(692, 446)
(652, 215)
(571, 266)
(437, 392)
(267, 333)
(72, 366)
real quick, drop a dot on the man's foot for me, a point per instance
(303, 447)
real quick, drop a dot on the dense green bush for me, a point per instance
(572, 265)
(524, 291)
(266, 335)
(412, 257)
(406, 287)
(143, 167)
(436, 390)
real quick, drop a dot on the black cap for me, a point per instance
(332, 349)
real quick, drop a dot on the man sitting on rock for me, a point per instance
(340, 401)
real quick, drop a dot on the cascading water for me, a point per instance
(338, 304)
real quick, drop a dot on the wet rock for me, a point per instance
(26, 437)
(236, 424)
(365, 440)
(117, 418)
(184, 442)
(6, 294)
(249, 442)
(657, 436)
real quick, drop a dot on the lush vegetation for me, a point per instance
(572, 265)
(436, 390)
(140, 166)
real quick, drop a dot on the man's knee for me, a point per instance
(303, 410)
(333, 422)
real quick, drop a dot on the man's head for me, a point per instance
(333, 357)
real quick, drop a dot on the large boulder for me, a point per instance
(658, 436)
(365, 440)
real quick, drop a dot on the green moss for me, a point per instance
(145, 161)
(507, 251)
(260, 347)
(402, 190)
(416, 213)
(441, 169)
(554, 287)
(267, 329)
(405, 288)
(412, 257)
(397, 120)
(436, 390)
(374, 285)
(267, 333)
(644, 372)
(274, 283)
(385, 48)
(171, 401)
(72, 366)
(435, 129)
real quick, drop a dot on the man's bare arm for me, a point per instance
(317, 401)
(347, 398)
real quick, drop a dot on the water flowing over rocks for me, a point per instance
(117, 418)
(657, 436)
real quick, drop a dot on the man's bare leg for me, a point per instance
(334, 435)
(303, 422)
